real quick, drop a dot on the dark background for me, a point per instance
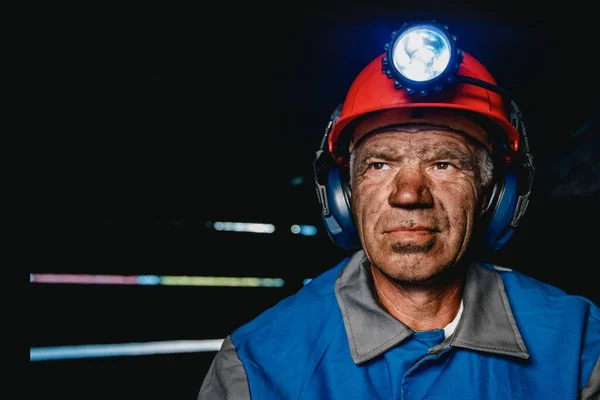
(164, 118)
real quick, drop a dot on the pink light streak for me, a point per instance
(85, 279)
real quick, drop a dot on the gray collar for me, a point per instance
(487, 323)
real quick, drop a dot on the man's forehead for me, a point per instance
(421, 138)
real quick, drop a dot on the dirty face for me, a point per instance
(416, 194)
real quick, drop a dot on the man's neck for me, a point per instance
(420, 307)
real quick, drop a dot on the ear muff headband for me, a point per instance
(507, 204)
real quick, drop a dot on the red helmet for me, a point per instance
(372, 91)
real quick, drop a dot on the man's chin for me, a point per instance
(410, 247)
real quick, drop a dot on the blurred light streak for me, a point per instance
(244, 227)
(84, 279)
(306, 230)
(296, 181)
(123, 349)
(166, 280)
(221, 281)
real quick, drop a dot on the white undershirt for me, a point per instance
(449, 329)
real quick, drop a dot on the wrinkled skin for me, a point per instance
(415, 200)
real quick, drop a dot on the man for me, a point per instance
(419, 180)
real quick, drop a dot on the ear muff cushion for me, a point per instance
(499, 229)
(339, 223)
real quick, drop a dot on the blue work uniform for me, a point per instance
(517, 338)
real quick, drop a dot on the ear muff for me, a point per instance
(502, 204)
(333, 192)
(510, 194)
(507, 202)
(339, 222)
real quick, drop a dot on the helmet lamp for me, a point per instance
(421, 57)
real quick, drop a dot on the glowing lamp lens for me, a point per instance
(421, 53)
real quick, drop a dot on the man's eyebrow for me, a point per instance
(384, 153)
(464, 158)
(449, 150)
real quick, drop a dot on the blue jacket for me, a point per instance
(517, 338)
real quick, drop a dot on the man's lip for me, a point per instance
(411, 229)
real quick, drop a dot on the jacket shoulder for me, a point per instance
(545, 304)
(312, 302)
(538, 290)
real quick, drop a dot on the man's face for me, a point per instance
(414, 199)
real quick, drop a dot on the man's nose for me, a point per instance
(410, 188)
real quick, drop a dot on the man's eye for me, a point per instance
(378, 165)
(442, 165)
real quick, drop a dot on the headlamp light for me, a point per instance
(422, 57)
